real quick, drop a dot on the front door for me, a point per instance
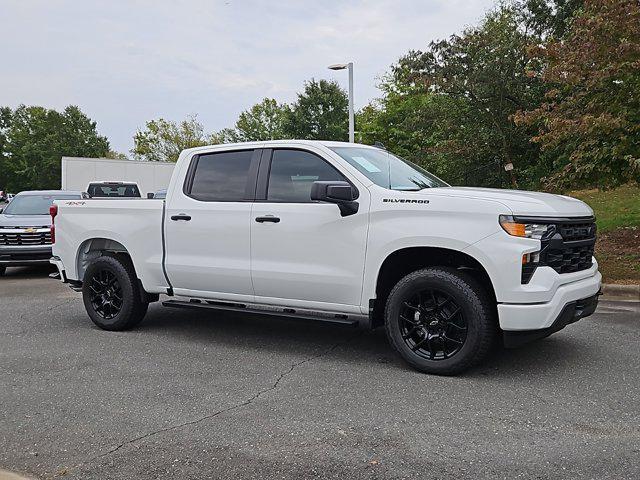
(208, 225)
(305, 253)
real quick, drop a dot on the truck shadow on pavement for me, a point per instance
(39, 271)
(354, 345)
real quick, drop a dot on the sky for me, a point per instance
(126, 62)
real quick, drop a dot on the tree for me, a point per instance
(263, 121)
(319, 113)
(226, 135)
(116, 155)
(35, 140)
(485, 68)
(589, 123)
(435, 131)
(163, 140)
(451, 107)
(5, 122)
(548, 18)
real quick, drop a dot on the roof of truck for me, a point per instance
(111, 182)
(268, 143)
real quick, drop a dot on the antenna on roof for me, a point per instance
(379, 145)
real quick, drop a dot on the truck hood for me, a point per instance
(522, 202)
(24, 220)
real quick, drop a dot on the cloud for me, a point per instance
(125, 62)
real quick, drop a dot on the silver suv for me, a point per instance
(25, 227)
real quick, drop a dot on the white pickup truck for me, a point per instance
(338, 232)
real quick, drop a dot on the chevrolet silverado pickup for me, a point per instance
(339, 232)
(25, 227)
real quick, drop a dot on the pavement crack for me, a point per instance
(244, 403)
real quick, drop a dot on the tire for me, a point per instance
(440, 321)
(111, 294)
(2, 271)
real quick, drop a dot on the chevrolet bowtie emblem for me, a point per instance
(30, 230)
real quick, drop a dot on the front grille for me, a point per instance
(569, 246)
(19, 236)
(571, 259)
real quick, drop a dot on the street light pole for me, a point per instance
(348, 66)
(351, 113)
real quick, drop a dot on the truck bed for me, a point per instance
(132, 225)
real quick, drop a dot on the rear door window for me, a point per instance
(221, 177)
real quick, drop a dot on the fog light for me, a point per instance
(530, 262)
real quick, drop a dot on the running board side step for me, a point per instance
(336, 319)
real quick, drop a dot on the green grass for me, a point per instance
(618, 217)
(615, 208)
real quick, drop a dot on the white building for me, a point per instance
(77, 172)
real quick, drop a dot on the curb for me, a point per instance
(621, 292)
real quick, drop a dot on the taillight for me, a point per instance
(53, 211)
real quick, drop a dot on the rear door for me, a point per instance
(305, 253)
(208, 226)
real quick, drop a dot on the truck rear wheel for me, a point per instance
(111, 294)
(440, 321)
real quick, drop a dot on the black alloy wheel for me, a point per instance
(111, 292)
(432, 324)
(441, 320)
(106, 294)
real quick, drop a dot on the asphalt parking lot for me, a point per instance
(192, 395)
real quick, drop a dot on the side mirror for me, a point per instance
(340, 193)
(150, 195)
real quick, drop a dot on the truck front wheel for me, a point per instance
(111, 293)
(440, 321)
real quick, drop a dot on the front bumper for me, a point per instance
(24, 256)
(541, 315)
(572, 312)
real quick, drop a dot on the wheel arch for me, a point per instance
(92, 248)
(405, 260)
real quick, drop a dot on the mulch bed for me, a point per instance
(618, 253)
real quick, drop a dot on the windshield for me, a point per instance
(34, 204)
(387, 170)
(113, 190)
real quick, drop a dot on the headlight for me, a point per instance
(524, 230)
